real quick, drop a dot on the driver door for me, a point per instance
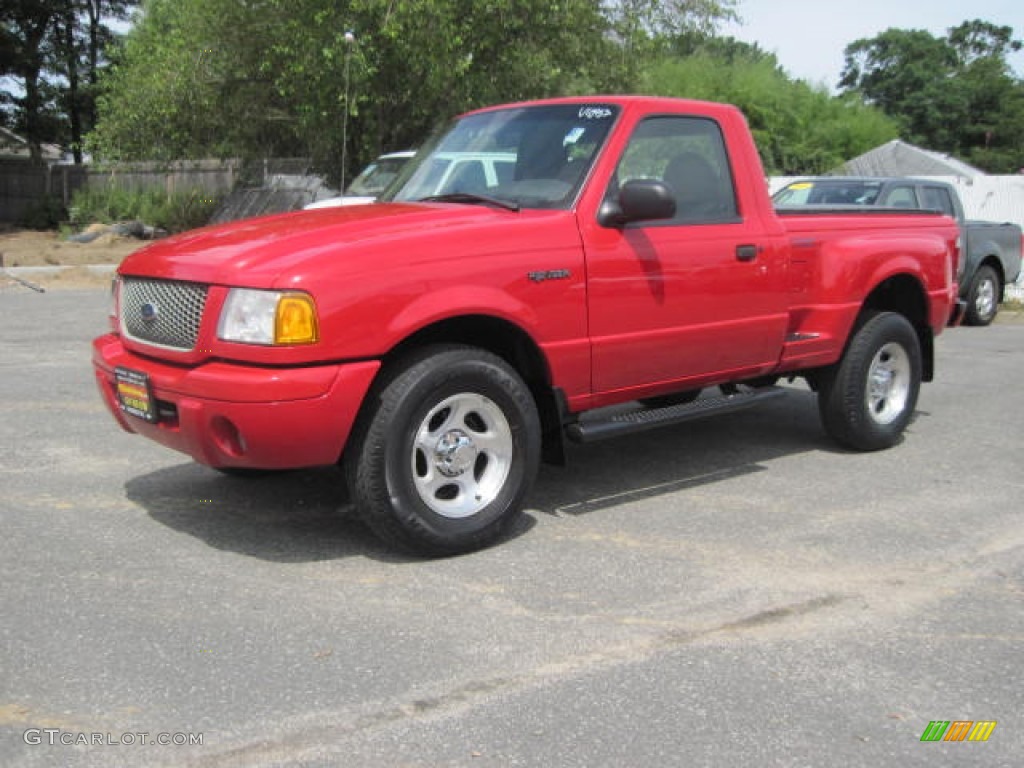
(695, 298)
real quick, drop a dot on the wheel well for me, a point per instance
(993, 261)
(515, 347)
(904, 295)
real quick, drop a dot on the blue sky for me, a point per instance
(808, 37)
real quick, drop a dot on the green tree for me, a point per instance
(221, 77)
(195, 78)
(93, 19)
(977, 40)
(799, 128)
(24, 25)
(955, 94)
(414, 63)
(52, 50)
(202, 77)
(992, 134)
(905, 73)
(644, 29)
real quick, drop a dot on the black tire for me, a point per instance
(868, 398)
(983, 297)
(442, 460)
(676, 398)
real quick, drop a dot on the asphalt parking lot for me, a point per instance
(728, 593)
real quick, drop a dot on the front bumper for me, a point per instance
(226, 415)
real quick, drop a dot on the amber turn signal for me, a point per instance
(295, 320)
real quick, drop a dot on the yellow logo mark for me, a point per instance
(982, 730)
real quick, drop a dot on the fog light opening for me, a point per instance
(227, 437)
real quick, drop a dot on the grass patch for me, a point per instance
(176, 212)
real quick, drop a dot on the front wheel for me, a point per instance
(444, 459)
(868, 399)
(983, 297)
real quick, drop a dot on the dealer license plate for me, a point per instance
(135, 394)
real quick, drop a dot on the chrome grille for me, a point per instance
(162, 312)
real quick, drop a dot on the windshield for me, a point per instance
(838, 192)
(376, 176)
(532, 157)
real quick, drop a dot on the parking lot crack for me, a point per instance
(784, 613)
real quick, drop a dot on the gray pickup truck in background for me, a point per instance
(991, 250)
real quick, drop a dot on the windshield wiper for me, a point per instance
(470, 199)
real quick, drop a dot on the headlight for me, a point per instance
(268, 317)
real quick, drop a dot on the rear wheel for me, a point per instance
(868, 399)
(443, 462)
(983, 297)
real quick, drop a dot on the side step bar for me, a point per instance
(651, 418)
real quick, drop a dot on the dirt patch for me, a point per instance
(71, 278)
(24, 248)
(48, 249)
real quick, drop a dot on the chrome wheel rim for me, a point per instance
(888, 383)
(461, 455)
(985, 300)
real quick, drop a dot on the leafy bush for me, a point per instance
(176, 212)
(800, 129)
(45, 213)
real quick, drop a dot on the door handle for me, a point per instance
(747, 252)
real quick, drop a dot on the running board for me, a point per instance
(651, 418)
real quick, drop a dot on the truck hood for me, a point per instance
(269, 251)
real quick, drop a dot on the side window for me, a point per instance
(688, 154)
(900, 197)
(938, 199)
(796, 193)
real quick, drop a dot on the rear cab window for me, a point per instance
(938, 199)
(900, 196)
(829, 192)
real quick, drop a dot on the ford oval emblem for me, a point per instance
(149, 312)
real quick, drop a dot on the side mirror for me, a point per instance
(638, 200)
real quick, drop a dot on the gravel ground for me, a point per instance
(733, 592)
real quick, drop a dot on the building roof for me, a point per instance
(13, 145)
(898, 158)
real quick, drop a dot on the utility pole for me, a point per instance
(350, 40)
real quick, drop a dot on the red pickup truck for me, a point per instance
(439, 343)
